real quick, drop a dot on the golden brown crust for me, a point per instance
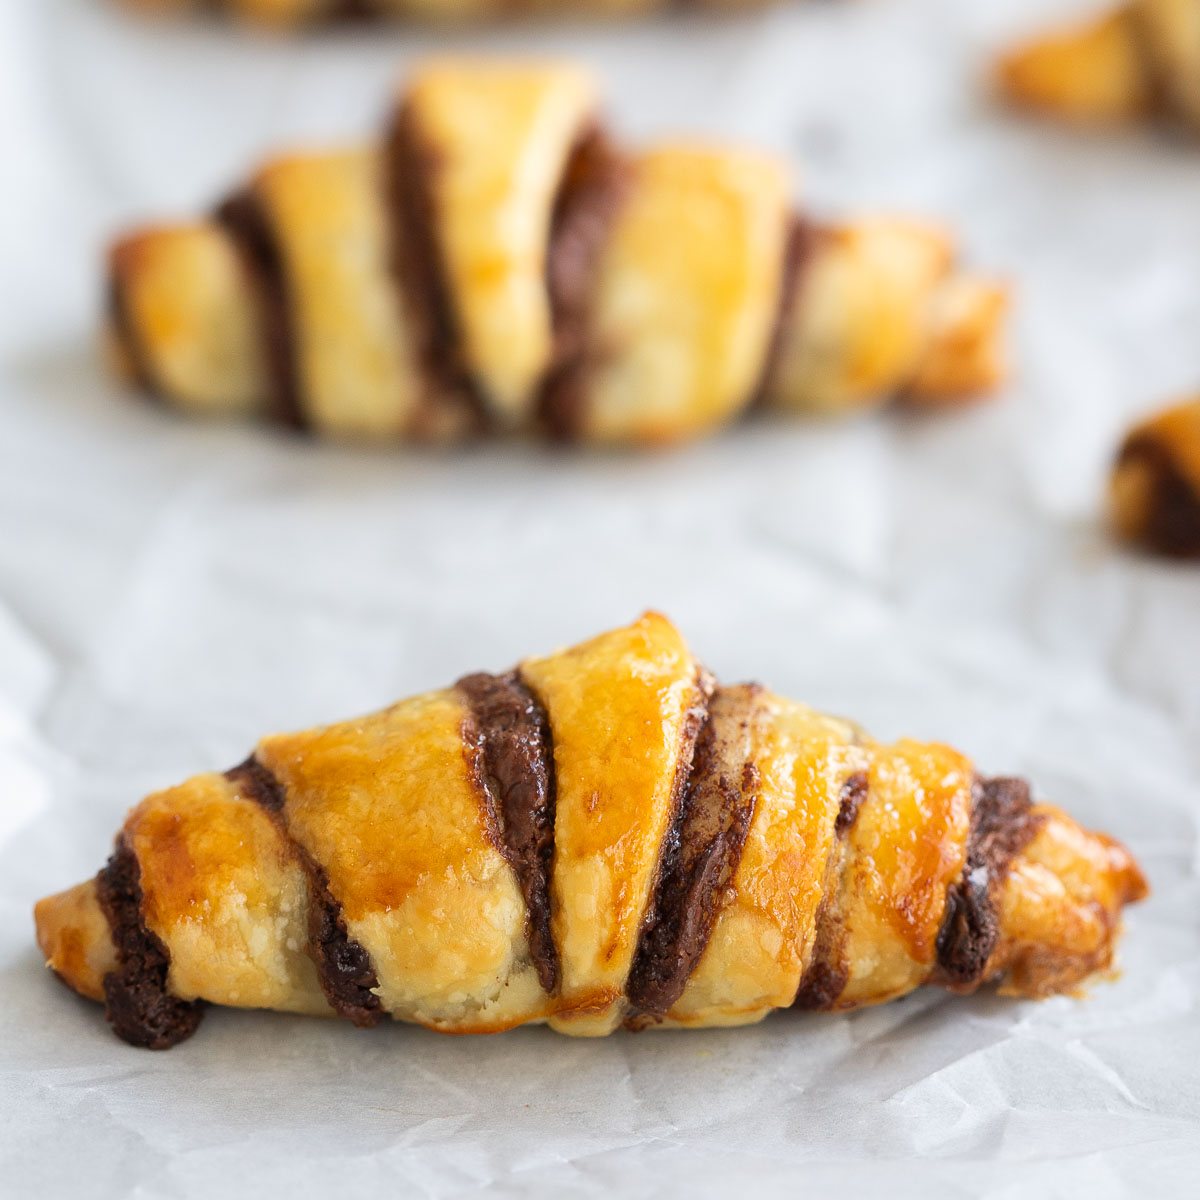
(686, 295)
(361, 868)
(73, 936)
(1061, 908)
(356, 358)
(1137, 61)
(498, 264)
(186, 324)
(879, 310)
(1155, 488)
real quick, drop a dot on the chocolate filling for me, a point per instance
(715, 791)
(410, 172)
(850, 799)
(354, 10)
(246, 222)
(1163, 104)
(511, 755)
(137, 1003)
(825, 978)
(1172, 519)
(804, 237)
(1001, 826)
(343, 965)
(594, 184)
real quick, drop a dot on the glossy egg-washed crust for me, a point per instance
(602, 837)
(1136, 62)
(497, 263)
(1155, 488)
(289, 14)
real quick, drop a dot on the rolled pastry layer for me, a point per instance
(1155, 489)
(1136, 62)
(602, 837)
(498, 263)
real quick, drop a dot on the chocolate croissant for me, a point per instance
(287, 14)
(602, 837)
(1140, 61)
(1155, 489)
(499, 264)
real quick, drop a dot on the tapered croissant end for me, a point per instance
(1155, 488)
(1050, 945)
(74, 937)
(1091, 74)
(604, 836)
(965, 355)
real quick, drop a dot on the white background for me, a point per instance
(170, 591)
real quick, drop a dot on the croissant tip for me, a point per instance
(1090, 74)
(1154, 487)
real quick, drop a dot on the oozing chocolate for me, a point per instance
(1171, 523)
(508, 744)
(244, 218)
(1001, 826)
(593, 185)
(137, 1003)
(825, 977)
(701, 850)
(343, 965)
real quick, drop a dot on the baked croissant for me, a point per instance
(603, 837)
(1155, 490)
(284, 14)
(499, 264)
(1139, 61)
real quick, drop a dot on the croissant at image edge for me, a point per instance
(603, 837)
(1135, 62)
(499, 263)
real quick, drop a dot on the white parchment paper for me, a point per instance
(170, 591)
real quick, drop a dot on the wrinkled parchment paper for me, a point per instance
(170, 591)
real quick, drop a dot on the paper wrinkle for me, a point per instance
(170, 591)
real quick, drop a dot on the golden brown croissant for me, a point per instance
(284, 14)
(500, 264)
(602, 837)
(1140, 60)
(1155, 491)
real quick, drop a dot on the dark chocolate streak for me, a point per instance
(593, 186)
(825, 977)
(1001, 826)
(137, 1003)
(701, 850)
(803, 238)
(131, 345)
(410, 168)
(343, 965)
(245, 220)
(850, 799)
(511, 755)
(1172, 525)
(354, 10)
(1157, 75)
